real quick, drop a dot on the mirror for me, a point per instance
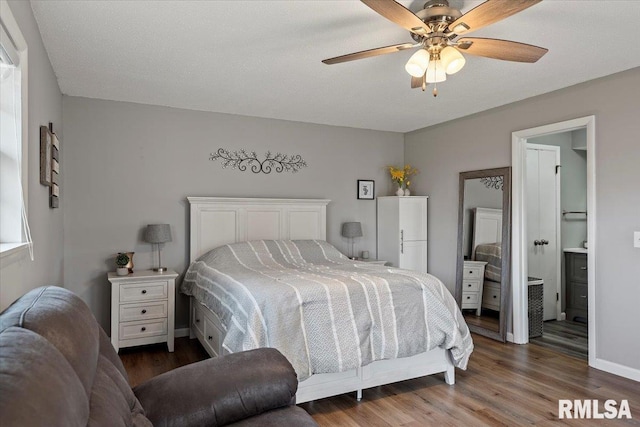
(483, 273)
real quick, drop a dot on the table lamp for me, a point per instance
(158, 233)
(352, 230)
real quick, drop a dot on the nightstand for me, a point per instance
(472, 284)
(142, 308)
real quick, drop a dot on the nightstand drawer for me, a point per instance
(472, 272)
(143, 291)
(469, 298)
(470, 286)
(142, 311)
(142, 329)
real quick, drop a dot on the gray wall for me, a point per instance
(127, 165)
(45, 105)
(483, 141)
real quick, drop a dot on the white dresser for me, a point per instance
(472, 285)
(402, 231)
(142, 308)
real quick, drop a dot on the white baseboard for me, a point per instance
(181, 332)
(616, 369)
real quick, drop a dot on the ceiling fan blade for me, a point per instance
(397, 13)
(369, 53)
(487, 13)
(501, 49)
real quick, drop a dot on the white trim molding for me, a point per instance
(519, 221)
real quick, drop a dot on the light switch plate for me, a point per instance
(636, 239)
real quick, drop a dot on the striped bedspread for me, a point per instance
(492, 254)
(324, 312)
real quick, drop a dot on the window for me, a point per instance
(14, 230)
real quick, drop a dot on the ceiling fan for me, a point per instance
(435, 30)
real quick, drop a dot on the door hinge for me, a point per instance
(558, 167)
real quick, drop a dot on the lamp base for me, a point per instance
(160, 269)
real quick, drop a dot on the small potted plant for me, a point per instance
(121, 261)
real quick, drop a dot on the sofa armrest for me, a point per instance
(221, 390)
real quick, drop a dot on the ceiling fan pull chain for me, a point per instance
(435, 84)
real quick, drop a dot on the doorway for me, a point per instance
(520, 258)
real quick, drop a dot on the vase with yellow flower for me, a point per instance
(401, 177)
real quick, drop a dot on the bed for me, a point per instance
(487, 246)
(282, 243)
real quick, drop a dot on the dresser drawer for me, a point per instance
(141, 329)
(198, 317)
(142, 311)
(579, 296)
(470, 285)
(472, 272)
(212, 336)
(578, 268)
(143, 291)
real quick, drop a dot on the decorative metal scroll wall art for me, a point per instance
(241, 160)
(495, 182)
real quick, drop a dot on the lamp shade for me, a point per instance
(418, 63)
(435, 72)
(157, 233)
(452, 60)
(352, 229)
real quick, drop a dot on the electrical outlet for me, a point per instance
(636, 239)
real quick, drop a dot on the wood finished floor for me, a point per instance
(566, 337)
(505, 385)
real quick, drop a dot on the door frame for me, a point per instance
(520, 334)
(558, 236)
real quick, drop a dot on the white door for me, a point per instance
(413, 255)
(413, 218)
(543, 234)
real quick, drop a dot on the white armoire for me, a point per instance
(402, 231)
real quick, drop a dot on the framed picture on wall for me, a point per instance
(366, 189)
(45, 156)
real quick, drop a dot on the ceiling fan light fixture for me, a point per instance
(435, 72)
(452, 60)
(418, 63)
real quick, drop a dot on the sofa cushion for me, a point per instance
(287, 416)
(82, 358)
(112, 400)
(38, 386)
(63, 319)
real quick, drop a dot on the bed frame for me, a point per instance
(217, 221)
(487, 227)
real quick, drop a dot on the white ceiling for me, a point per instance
(262, 58)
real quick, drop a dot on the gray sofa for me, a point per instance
(58, 368)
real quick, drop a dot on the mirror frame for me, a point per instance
(505, 282)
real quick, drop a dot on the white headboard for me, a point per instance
(217, 221)
(487, 227)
